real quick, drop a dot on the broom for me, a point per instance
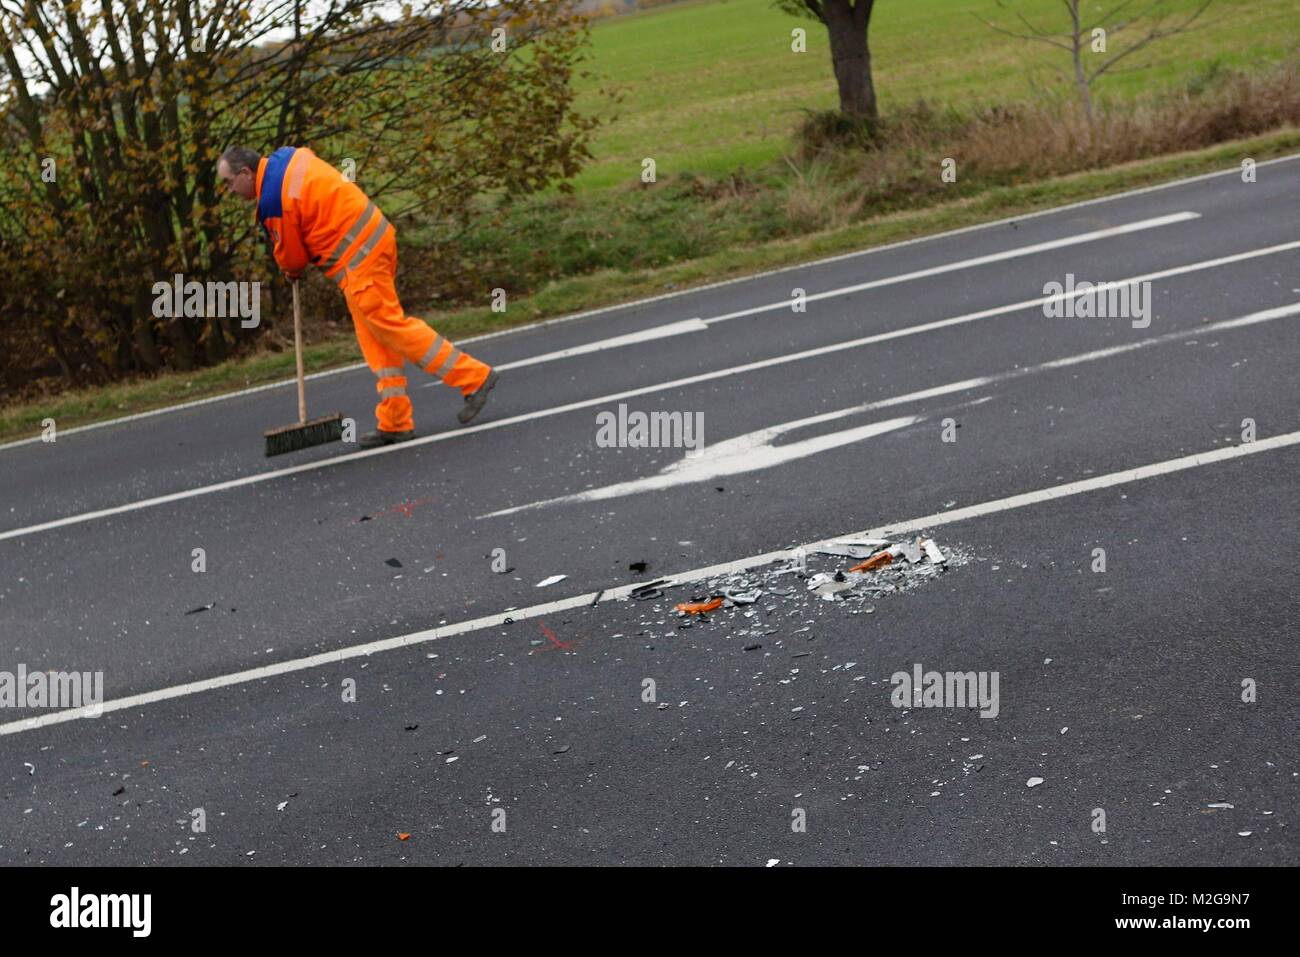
(302, 434)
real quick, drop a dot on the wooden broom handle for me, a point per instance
(297, 348)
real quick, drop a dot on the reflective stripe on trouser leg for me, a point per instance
(393, 413)
(450, 364)
(372, 296)
(394, 408)
(458, 369)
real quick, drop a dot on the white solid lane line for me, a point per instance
(644, 390)
(698, 574)
(670, 329)
(966, 264)
(697, 325)
(632, 338)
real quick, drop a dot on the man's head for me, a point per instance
(238, 170)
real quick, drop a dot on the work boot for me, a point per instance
(373, 440)
(475, 401)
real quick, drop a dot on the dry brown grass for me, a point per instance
(842, 173)
(1055, 138)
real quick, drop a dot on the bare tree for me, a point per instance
(1155, 21)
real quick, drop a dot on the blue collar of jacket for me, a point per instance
(270, 203)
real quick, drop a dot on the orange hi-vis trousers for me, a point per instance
(387, 335)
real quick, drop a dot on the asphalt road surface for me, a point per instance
(1116, 497)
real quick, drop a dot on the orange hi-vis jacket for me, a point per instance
(314, 215)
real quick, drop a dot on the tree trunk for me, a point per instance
(1080, 75)
(181, 337)
(141, 326)
(847, 23)
(60, 356)
(216, 348)
(145, 349)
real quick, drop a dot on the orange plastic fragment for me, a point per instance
(699, 607)
(875, 561)
(403, 837)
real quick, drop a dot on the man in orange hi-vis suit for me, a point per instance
(314, 215)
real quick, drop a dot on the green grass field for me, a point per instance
(710, 86)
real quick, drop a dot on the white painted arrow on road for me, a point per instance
(744, 453)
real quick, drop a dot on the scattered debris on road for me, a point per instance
(699, 607)
(195, 611)
(853, 548)
(755, 604)
(886, 568)
(550, 581)
(875, 561)
(649, 590)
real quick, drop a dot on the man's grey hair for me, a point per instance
(241, 157)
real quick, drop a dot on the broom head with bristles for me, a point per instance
(303, 435)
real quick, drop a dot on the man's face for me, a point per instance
(243, 183)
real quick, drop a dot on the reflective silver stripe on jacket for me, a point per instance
(363, 250)
(349, 239)
(296, 177)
